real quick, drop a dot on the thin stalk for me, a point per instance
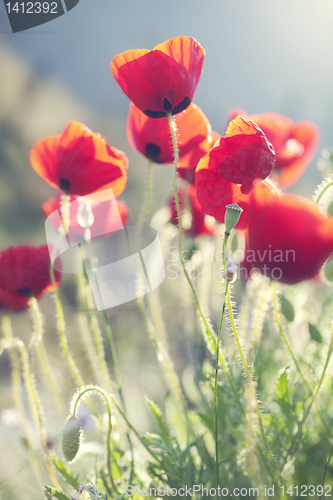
(321, 194)
(162, 354)
(225, 242)
(208, 329)
(294, 442)
(38, 343)
(108, 437)
(251, 385)
(284, 337)
(62, 332)
(60, 312)
(110, 339)
(17, 394)
(33, 398)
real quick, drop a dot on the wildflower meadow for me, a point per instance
(230, 280)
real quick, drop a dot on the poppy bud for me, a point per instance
(71, 438)
(232, 216)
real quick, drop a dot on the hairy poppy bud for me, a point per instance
(71, 438)
(232, 216)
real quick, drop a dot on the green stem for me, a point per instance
(162, 353)
(110, 339)
(108, 437)
(225, 242)
(17, 393)
(284, 337)
(251, 385)
(38, 343)
(319, 197)
(62, 332)
(294, 442)
(33, 398)
(208, 330)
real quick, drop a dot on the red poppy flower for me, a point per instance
(79, 161)
(243, 155)
(188, 199)
(24, 273)
(161, 80)
(214, 192)
(152, 137)
(288, 239)
(295, 143)
(109, 215)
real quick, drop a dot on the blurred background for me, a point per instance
(261, 56)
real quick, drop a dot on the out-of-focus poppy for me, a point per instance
(152, 137)
(162, 80)
(24, 273)
(106, 214)
(197, 225)
(243, 155)
(295, 143)
(288, 239)
(79, 161)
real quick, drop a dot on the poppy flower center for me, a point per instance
(25, 292)
(167, 106)
(64, 184)
(152, 151)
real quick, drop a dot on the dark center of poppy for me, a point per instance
(152, 151)
(25, 292)
(167, 106)
(64, 184)
(181, 106)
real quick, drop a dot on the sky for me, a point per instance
(261, 55)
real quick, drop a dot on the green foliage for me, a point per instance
(315, 333)
(66, 474)
(52, 493)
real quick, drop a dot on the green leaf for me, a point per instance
(282, 385)
(315, 334)
(66, 474)
(164, 432)
(55, 494)
(120, 496)
(287, 309)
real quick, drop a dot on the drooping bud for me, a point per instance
(85, 216)
(232, 216)
(71, 435)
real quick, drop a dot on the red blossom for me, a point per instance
(24, 273)
(188, 200)
(288, 238)
(106, 214)
(152, 137)
(79, 161)
(163, 79)
(243, 155)
(214, 192)
(295, 143)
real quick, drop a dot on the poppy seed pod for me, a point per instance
(71, 435)
(232, 216)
